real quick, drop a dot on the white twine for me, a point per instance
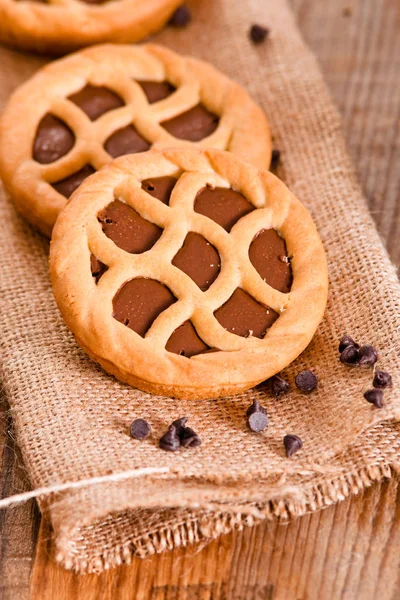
(70, 485)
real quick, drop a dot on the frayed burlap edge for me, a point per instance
(206, 527)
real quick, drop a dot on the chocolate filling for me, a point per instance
(97, 268)
(53, 140)
(156, 90)
(186, 342)
(126, 141)
(198, 259)
(268, 255)
(127, 229)
(193, 125)
(67, 186)
(222, 205)
(139, 301)
(243, 315)
(95, 101)
(160, 187)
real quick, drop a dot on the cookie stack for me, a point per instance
(179, 262)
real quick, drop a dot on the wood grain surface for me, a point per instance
(348, 551)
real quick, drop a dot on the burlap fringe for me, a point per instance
(205, 529)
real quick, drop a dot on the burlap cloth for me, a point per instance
(72, 418)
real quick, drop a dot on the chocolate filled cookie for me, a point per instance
(78, 113)
(50, 26)
(188, 273)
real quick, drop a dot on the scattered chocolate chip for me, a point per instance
(292, 444)
(382, 379)
(350, 356)
(347, 341)
(257, 419)
(181, 17)
(258, 33)
(278, 386)
(367, 356)
(255, 407)
(306, 381)
(374, 397)
(140, 429)
(275, 158)
(189, 438)
(170, 440)
(179, 425)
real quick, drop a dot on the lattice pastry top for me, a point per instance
(188, 273)
(77, 113)
(59, 26)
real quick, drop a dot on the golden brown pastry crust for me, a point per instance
(144, 362)
(59, 27)
(243, 128)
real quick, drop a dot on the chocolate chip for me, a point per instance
(181, 17)
(306, 381)
(374, 397)
(257, 419)
(347, 341)
(189, 438)
(140, 429)
(382, 379)
(275, 158)
(255, 407)
(367, 356)
(258, 33)
(292, 444)
(170, 440)
(179, 425)
(278, 386)
(350, 355)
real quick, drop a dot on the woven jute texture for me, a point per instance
(72, 418)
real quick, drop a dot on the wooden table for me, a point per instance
(351, 550)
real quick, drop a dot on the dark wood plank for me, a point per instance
(326, 555)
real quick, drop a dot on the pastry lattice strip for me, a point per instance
(155, 64)
(177, 220)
